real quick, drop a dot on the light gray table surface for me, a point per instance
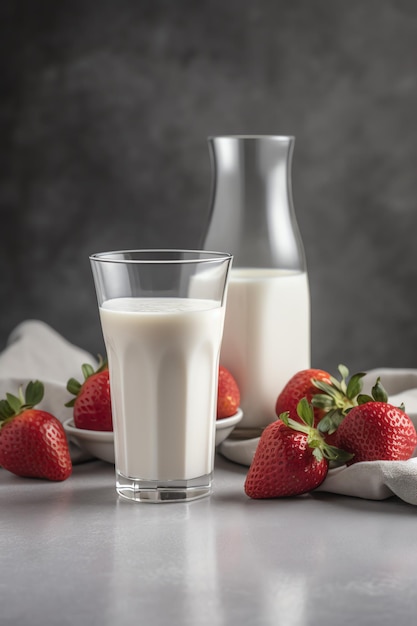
(72, 553)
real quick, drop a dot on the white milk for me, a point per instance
(266, 336)
(163, 358)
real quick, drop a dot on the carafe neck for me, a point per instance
(252, 213)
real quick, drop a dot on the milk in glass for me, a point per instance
(163, 358)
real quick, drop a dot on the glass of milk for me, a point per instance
(162, 315)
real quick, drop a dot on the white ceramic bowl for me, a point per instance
(225, 426)
(100, 444)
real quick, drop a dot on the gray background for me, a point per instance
(105, 110)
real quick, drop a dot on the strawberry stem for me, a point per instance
(338, 398)
(316, 441)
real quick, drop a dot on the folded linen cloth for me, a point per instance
(35, 351)
(376, 480)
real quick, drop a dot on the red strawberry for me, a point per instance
(375, 430)
(301, 385)
(291, 457)
(92, 404)
(32, 442)
(228, 394)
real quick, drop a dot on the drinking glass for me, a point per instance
(162, 315)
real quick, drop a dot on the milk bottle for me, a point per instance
(266, 336)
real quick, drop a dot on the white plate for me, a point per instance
(100, 444)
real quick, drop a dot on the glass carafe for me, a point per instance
(267, 329)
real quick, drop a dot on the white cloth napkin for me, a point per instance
(35, 351)
(374, 480)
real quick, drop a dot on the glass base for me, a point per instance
(156, 491)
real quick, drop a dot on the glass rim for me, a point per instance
(267, 137)
(196, 256)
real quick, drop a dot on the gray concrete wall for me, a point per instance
(104, 111)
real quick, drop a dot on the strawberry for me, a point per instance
(291, 458)
(228, 394)
(32, 442)
(92, 402)
(376, 430)
(301, 385)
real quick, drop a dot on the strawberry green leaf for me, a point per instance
(34, 393)
(324, 424)
(344, 372)
(305, 411)
(331, 453)
(87, 370)
(300, 427)
(363, 398)
(284, 417)
(318, 454)
(6, 410)
(378, 392)
(355, 385)
(322, 401)
(14, 403)
(330, 422)
(73, 386)
(326, 387)
(336, 385)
